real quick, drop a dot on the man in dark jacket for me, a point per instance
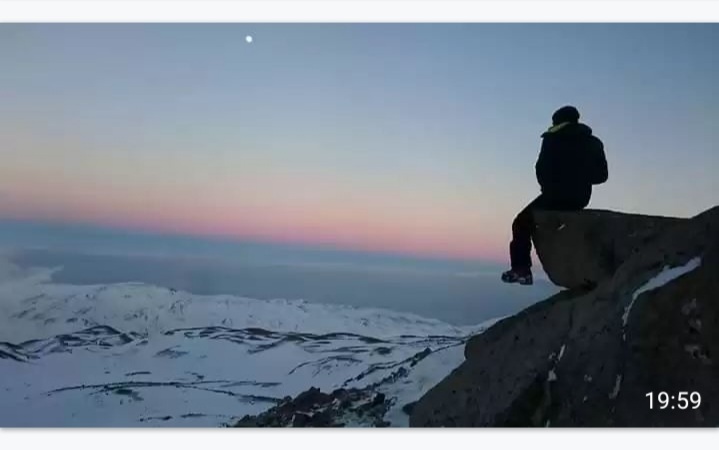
(570, 161)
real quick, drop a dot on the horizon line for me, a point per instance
(330, 247)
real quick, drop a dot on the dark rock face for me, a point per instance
(588, 356)
(313, 408)
(582, 248)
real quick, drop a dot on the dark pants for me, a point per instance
(520, 248)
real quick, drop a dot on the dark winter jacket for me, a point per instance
(563, 160)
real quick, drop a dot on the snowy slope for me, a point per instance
(138, 355)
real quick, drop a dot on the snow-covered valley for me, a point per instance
(133, 354)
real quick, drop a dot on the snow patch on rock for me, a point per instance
(665, 276)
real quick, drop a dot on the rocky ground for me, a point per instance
(313, 408)
(641, 316)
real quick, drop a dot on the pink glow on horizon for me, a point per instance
(348, 229)
(104, 185)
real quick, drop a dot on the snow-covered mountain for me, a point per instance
(138, 355)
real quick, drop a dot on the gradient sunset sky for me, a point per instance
(417, 139)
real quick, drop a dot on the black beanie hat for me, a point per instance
(565, 114)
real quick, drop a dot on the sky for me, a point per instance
(416, 139)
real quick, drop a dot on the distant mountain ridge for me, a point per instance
(132, 354)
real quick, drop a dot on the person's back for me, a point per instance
(565, 161)
(570, 161)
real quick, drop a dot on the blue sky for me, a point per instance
(408, 138)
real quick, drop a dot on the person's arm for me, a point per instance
(542, 168)
(601, 160)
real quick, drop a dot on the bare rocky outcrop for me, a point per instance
(316, 409)
(579, 249)
(642, 316)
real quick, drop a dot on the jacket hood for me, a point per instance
(568, 128)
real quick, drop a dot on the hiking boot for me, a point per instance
(518, 276)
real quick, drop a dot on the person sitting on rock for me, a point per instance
(570, 161)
